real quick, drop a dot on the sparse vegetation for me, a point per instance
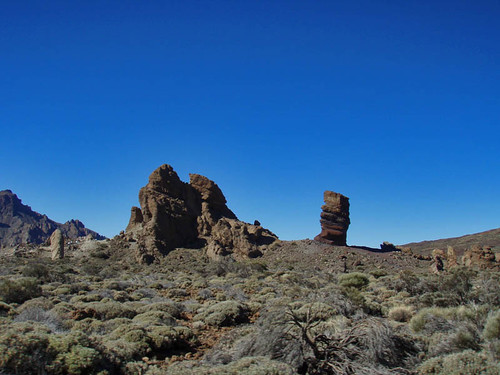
(188, 315)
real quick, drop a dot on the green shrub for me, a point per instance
(19, 290)
(243, 366)
(106, 310)
(155, 317)
(23, 348)
(131, 341)
(378, 273)
(37, 270)
(492, 327)
(433, 319)
(400, 313)
(173, 308)
(72, 354)
(467, 362)
(356, 280)
(226, 313)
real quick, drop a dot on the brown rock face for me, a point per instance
(176, 214)
(334, 219)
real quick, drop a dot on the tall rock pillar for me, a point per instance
(334, 219)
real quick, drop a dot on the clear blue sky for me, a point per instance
(395, 104)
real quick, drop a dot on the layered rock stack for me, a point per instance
(334, 219)
(176, 214)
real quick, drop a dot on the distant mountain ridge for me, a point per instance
(19, 224)
(489, 238)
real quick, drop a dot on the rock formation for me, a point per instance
(334, 219)
(57, 245)
(176, 214)
(451, 258)
(480, 257)
(19, 224)
(437, 256)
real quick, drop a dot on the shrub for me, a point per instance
(467, 362)
(225, 313)
(23, 348)
(173, 308)
(432, 319)
(244, 366)
(72, 354)
(105, 310)
(492, 327)
(400, 313)
(38, 314)
(155, 317)
(131, 341)
(19, 290)
(356, 280)
(36, 270)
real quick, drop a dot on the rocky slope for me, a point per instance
(19, 224)
(490, 238)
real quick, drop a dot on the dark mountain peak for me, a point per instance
(20, 224)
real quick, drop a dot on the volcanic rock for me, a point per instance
(480, 257)
(57, 245)
(176, 214)
(19, 224)
(334, 219)
(451, 257)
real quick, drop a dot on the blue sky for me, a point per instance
(395, 104)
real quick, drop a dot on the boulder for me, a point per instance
(176, 214)
(334, 219)
(57, 245)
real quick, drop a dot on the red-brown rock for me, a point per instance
(334, 219)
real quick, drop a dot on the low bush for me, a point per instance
(243, 366)
(356, 280)
(400, 313)
(19, 290)
(37, 270)
(492, 327)
(226, 313)
(467, 362)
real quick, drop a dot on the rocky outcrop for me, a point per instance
(176, 214)
(334, 219)
(480, 257)
(451, 257)
(57, 245)
(19, 224)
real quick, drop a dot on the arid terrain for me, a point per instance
(187, 288)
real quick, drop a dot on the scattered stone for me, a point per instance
(334, 219)
(57, 245)
(387, 246)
